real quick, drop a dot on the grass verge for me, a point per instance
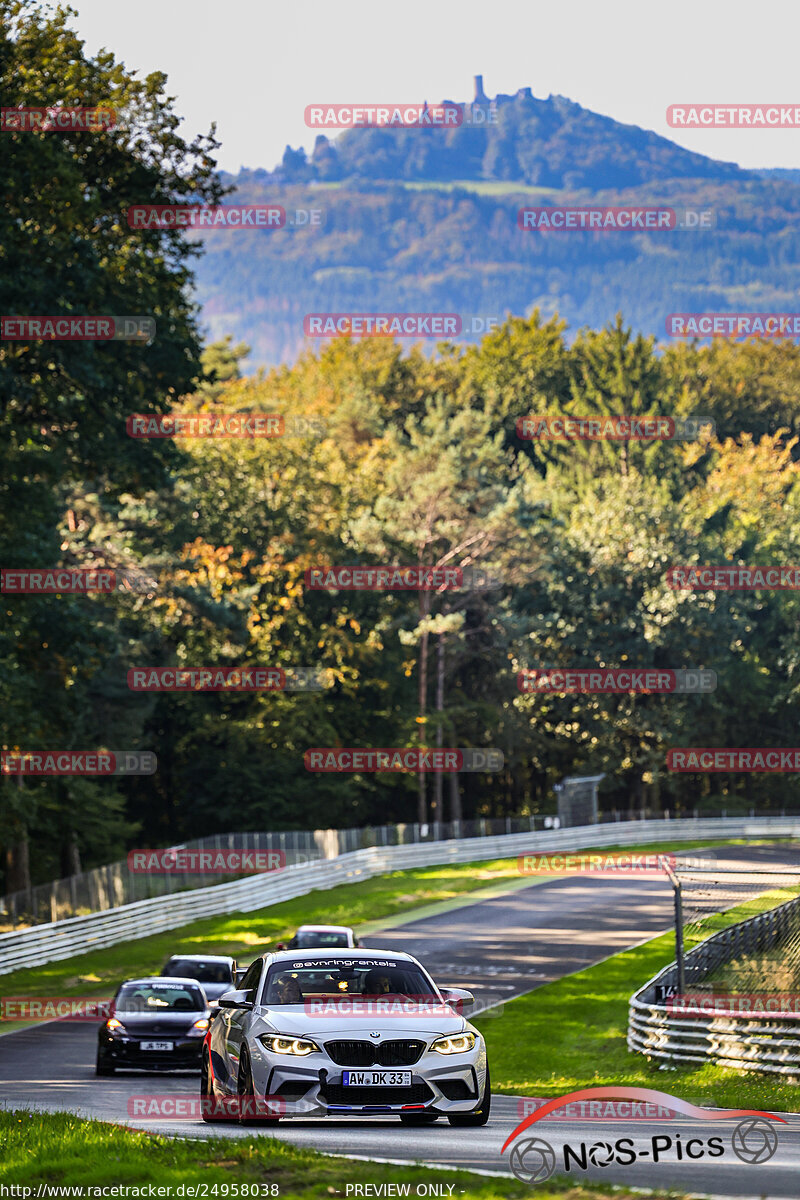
(57, 1148)
(571, 1033)
(244, 935)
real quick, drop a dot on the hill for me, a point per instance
(552, 143)
(426, 221)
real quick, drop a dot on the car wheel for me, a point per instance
(419, 1118)
(246, 1092)
(102, 1066)
(479, 1115)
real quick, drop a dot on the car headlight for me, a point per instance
(456, 1044)
(289, 1045)
(200, 1026)
(114, 1026)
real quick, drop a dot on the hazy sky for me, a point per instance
(253, 65)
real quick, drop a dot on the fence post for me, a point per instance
(676, 887)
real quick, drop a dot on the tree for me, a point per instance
(450, 497)
(66, 248)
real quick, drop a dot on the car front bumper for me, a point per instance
(186, 1054)
(312, 1086)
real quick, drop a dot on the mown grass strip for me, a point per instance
(57, 1148)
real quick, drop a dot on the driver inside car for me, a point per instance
(377, 983)
(286, 990)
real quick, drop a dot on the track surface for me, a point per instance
(499, 947)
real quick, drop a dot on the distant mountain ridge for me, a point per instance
(546, 143)
(426, 221)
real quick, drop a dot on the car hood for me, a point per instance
(295, 1019)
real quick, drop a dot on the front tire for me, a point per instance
(102, 1066)
(480, 1115)
(248, 1102)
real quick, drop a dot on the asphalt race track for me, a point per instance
(500, 947)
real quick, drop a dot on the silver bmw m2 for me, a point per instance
(312, 1033)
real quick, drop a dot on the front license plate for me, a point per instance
(156, 1045)
(376, 1078)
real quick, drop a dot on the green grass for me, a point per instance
(571, 1034)
(57, 1148)
(482, 187)
(245, 935)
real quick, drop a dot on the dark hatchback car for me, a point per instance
(156, 1025)
(216, 973)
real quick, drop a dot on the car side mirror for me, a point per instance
(459, 998)
(236, 999)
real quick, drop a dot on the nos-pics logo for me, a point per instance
(533, 1160)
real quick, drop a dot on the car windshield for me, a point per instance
(309, 939)
(295, 983)
(159, 997)
(203, 972)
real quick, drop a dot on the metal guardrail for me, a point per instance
(78, 935)
(764, 1042)
(114, 884)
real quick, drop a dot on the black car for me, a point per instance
(156, 1025)
(215, 972)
